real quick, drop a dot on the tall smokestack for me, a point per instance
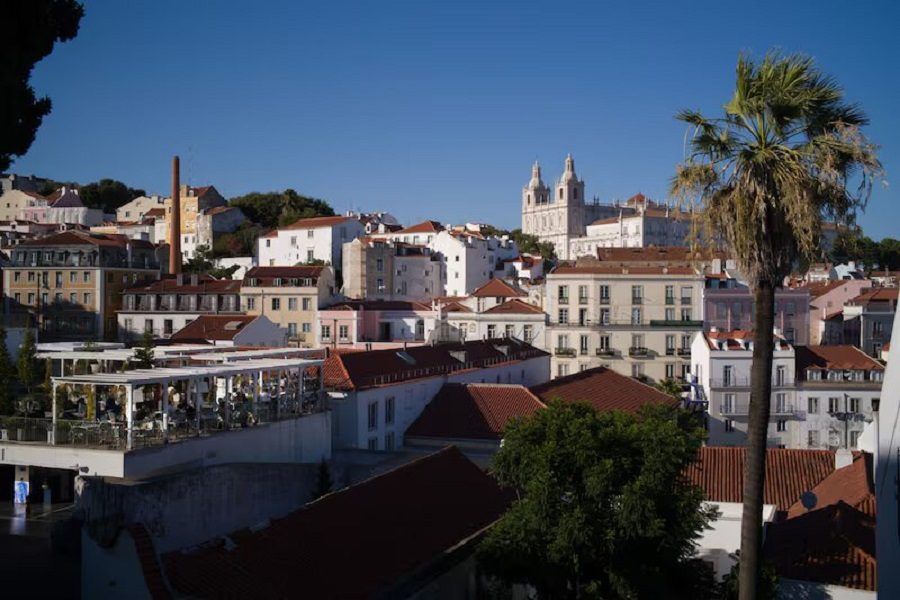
(175, 221)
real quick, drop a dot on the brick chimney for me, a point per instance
(175, 221)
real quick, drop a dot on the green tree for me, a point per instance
(324, 483)
(26, 363)
(31, 29)
(143, 355)
(602, 508)
(203, 262)
(671, 387)
(766, 590)
(108, 194)
(6, 376)
(271, 209)
(766, 176)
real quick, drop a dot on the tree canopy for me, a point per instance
(603, 509)
(271, 209)
(108, 194)
(851, 244)
(31, 29)
(203, 262)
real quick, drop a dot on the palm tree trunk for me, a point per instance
(757, 432)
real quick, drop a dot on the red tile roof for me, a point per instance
(833, 357)
(497, 288)
(657, 253)
(206, 284)
(834, 545)
(155, 212)
(602, 269)
(220, 209)
(355, 543)
(877, 295)
(474, 411)
(851, 484)
(402, 305)
(455, 307)
(213, 327)
(314, 222)
(515, 306)
(423, 227)
(359, 370)
(719, 471)
(267, 274)
(604, 389)
(81, 238)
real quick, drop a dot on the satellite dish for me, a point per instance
(808, 499)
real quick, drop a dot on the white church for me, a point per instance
(577, 228)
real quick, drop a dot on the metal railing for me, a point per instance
(638, 352)
(742, 409)
(605, 352)
(564, 351)
(684, 352)
(676, 323)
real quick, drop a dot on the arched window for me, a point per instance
(575, 193)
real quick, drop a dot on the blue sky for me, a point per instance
(431, 110)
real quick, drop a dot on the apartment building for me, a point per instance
(290, 297)
(868, 319)
(138, 208)
(721, 376)
(70, 284)
(728, 305)
(470, 260)
(376, 395)
(63, 207)
(638, 321)
(822, 396)
(496, 309)
(652, 224)
(375, 323)
(170, 303)
(826, 308)
(381, 269)
(308, 240)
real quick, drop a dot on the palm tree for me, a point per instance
(787, 156)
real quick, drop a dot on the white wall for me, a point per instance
(887, 467)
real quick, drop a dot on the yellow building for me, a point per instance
(290, 297)
(194, 200)
(69, 285)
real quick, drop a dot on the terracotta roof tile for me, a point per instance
(602, 269)
(834, 545)
(497, 288)
(515, 306)
(213, 327)
(877, 295)
(206, 284)
(266, 274)
(455, 307)
(423, 227)
(604, 389)
(851, 484)
(474, 411)
(402, 305)
(719, 471)
(314, 222)
(657, 253)
(383, 530)
(833, 357)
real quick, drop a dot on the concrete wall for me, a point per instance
(887, 461)
(112, 573)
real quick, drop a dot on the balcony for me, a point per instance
(582, 300)
(680, 323)
(684, 352)
(638, 352)
(637, 299)
(670, 300)
(566, 352)
(604, 300)
(730, 382)
(605, 352)
(742, 409)
(686, 301)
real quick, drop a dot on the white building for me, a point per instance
(138, 208)
(887, 485)
(376, 395)
(384, 269)
(62, 207)
(651, 225)
(307, 240)
(470, 260)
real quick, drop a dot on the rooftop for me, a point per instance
(205, 284)
(843, 357)
(400, 305)
(601, 269)
(385, 530)
(474, 411)
(604, 389)
(423, 227)
(213, 327)
(515, 306)
(82, 238)
(315, 222)
(497, 288)
(657, 253)
(296, 272)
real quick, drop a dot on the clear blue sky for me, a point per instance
(431, 110)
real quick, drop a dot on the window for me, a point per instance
(373, 444)
(563, 294)
(87, 299)
(637, 370)
(670, 314)
(604, 342)
(276, 303)
(292, 304)
(379, 265)
(727, 376)
(781, 425)
(86, 277)
(306, 303)
(373, 415)
(148, 325)
(326, 332)
(780, 375)
(379, 285)
(686, 314)
(854, 406)
(781, 403)
(686, 295)
(562, 370)
(635, 316)
(562, 341)
(343, 332)
(73, 298)
(491, 331)
(728, 404)
(528, 332)
(306, 327)
(509, 330)
(834, 405)
(167, 326)
(389, 441)
(604, 316)
(310, 255)
(670, 345)
(389, 411)
(582, 294)
(310, 233)
(604, 294)
(729, 426)
(73, 277)
(293, 241)
(670, 294)
(854, 438)
(812, 438)
(637, 294)
(292, 329)
(789, 334)
(812, 406)
(563, 316)
(583, 345)
(670, 370)
(251, 303)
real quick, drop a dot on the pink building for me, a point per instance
(731, 308)
(826, 305)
